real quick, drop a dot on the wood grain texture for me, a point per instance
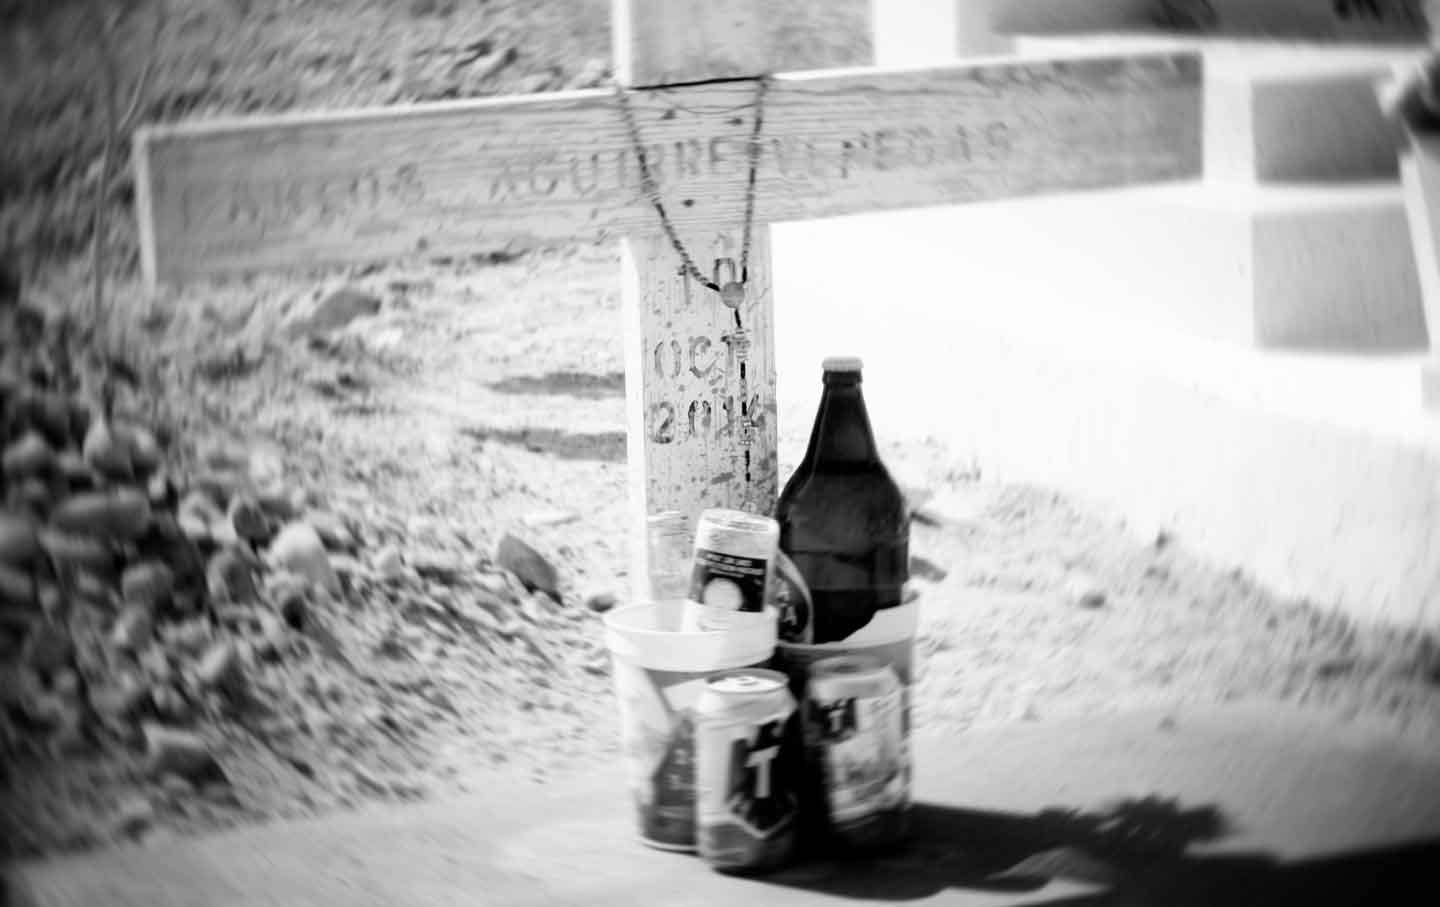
(699, 375)
(1323, 20)
(465, 177)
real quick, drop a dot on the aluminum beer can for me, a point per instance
(731, 569)
(746, 770)
(856, 748)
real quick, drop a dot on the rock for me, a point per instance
(133, 628)
(600, 602)
(387, 563)
(76, 472)
(201, 505)
(230, 578)
(133, 817)
(331, 528)
(170, 704)
(1084, 591)
(17, 589)
(220, 669)
(91, 587)
(171, 750)
(223, 534)
(248, 518)
(51, 599)
(337, 311)
(120, 701)
(106, 453)
(122, 514)
(299, 549)
(441, 566)
(271, 637)
(528, 565)
(78, 551)
(143, 449)
(29, 457)
(542, 519)
(190, 637)
(176, 787)
(493, 583)
(279, 502)
(195, 527)
(48, 649)
(148, 584)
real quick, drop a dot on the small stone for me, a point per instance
(48, 649)
(543, 519)
(106, 452)
(248, 519)
(148, 584)
(230, 578)
(76, 472)
(290, 595)
(195, 527)
(441, 566)
(120, 700)
(119, 514)
(201, 505)
(133, 817)
(220, 668)
(1084, 592)
(271, 636)
(331, 528)
(72, 549)
(387, 563)
(176, 787)
(336, 311)
(17, 588)
(172, 750)
(600, 602)
(223, 534)
(19, 539)
(170, 704)
(298, 548)
(29, 457)
(144, 450)
(189, 636)
(133, 628)
(528, 565)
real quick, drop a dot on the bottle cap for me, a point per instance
(842, 364)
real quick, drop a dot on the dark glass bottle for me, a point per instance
(842, 518)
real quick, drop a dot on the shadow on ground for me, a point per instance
(1133, 855)
(570, 384)
(604, 447)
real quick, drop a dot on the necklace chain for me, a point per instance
(652, 189)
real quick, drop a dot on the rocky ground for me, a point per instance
(347, 539)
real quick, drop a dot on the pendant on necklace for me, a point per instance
(732, 294)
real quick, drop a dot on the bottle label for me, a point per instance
(728, 582)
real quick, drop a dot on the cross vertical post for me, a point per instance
(699, 375)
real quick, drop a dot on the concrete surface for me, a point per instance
(1319, 474)
(1248, 804)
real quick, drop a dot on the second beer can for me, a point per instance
(746, 769)
(732, 568)
(856, 746)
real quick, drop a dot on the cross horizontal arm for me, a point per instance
(227, 196)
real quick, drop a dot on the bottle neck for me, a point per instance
(841, 437)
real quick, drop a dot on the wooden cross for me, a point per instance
(236, 195)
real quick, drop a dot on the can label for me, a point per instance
(657, 731)
(733, 562)
(858, 740)
(747, 803)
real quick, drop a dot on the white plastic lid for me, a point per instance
(841, 364)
